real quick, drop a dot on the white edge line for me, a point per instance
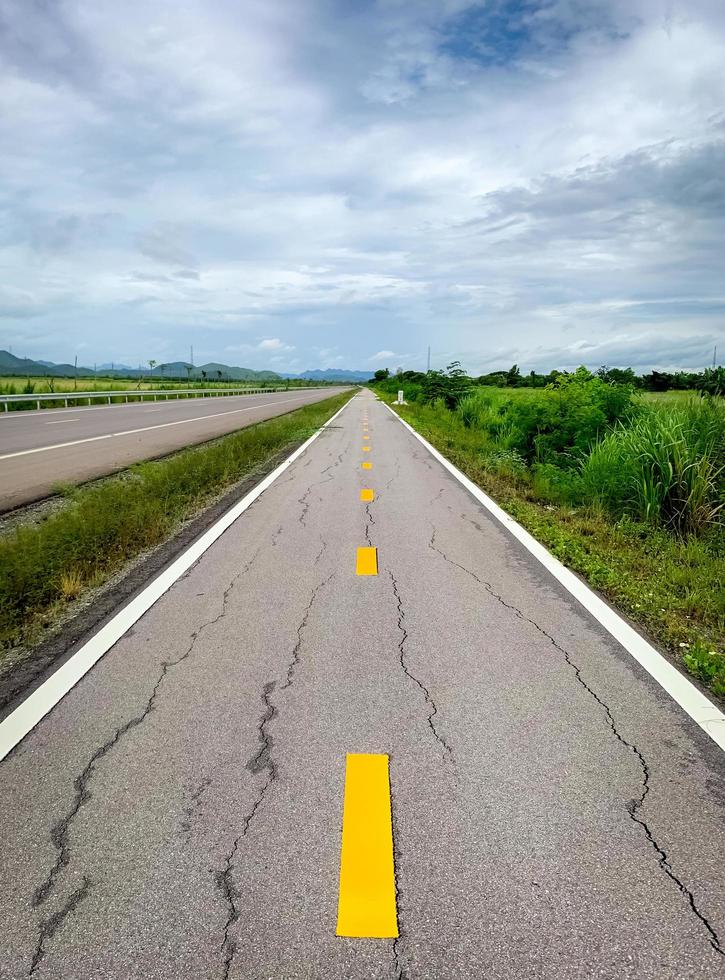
(702, 711)
(148, 428)
(37, 705)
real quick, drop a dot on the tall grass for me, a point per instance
(667, 467)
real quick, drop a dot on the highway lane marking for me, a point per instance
(61, 421)
(146, 428)
(367, 906)
(366, 449)
(367, 495)
(367, 561)
(367, 466)
(364, 437)
(702, 711)
(43, 699)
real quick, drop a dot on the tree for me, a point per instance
(189, 369)
(152, 365)
(513, 376)
(450, 385)
(203, 375)
(382, 375)
(617, 376)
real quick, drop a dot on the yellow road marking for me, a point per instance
(366, 437)
(367, 495)
(367, 466)
(367, 905)
(367, 561)
(366, 449)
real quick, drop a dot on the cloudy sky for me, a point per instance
(339, 183)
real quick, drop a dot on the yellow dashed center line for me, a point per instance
(366, 449)
(367, 466)
(367, 495)
(367, 561)
(367, 904)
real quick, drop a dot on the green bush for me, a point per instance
(708, 666)
(557, 424)
(666, 467)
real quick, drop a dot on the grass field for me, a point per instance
(67, 387)
(48, 385)
(628, 491)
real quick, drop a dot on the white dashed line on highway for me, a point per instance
(146, 428)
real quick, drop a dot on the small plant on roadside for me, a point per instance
(708, 666)
(70, 584)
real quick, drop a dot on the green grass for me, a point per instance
(672, 584)
(101, 527)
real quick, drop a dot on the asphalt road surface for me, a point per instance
(179, 813)
(71, 445)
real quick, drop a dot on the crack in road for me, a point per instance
(194, 807)
(321, 552)
(300, 631)
(430, 702)
(260, 763)
(49, 926)
(60, 832)
(393, 478)
(635, 805)
(303, 499)
(400, 939)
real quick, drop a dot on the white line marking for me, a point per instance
(37, 705)
(61, 421)
(702, 711)
(146, 428)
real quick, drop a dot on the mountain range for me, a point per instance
(25, 366)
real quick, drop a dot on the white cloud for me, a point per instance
(274, 344)
(395, 176)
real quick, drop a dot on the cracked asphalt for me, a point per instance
(178, 814)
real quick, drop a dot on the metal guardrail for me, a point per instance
(136, 395)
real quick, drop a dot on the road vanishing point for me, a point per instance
(362, 732)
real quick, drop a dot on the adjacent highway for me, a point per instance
(41, 449)
(179, 814)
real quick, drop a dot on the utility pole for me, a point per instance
(428, 358)
(191, 355)
(75, 379)
(714, 357)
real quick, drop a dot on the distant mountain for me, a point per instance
(237, 373)
(12, 365)
(332, 374)
(110, 366)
